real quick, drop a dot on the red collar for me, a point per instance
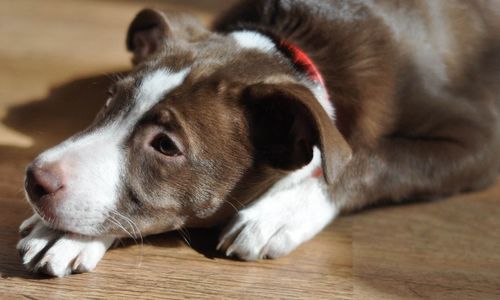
(301, 59)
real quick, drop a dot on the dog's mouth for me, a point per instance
(49, 218)
(41, 211)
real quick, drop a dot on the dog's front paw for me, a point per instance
(249, 237)
(57, 254)
(276, 224)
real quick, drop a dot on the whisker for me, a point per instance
(133, 226)
(117, 223)
(185, 236)
(232, 205)
(114, 77)
(134, 236)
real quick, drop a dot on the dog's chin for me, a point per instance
(87, 230)
(58, 221)
(53, 221)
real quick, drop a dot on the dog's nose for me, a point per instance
(42, 181)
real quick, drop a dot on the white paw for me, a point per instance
(276, 224)
(57, 254)
(251, 238)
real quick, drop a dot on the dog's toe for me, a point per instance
(90, 255)
(33, 245)
(58, 259)
(250, 243)
(73, 254)
(252, 238)
(280, 244)
(28, 225)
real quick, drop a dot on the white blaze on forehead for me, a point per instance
(154, 86)
(93, 162)
(253, 40)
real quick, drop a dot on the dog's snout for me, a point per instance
(42, 181)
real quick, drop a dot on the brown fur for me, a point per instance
(408, 141)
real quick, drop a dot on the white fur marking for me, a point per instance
(153, 87)
(253, 40)
(320, 93)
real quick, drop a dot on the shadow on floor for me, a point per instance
(67, 109)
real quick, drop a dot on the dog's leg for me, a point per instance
(290, 213)
(58, 254)
(397, 169)
(408, 168)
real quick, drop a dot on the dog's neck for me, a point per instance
(301, 61)
(305, 69)
(305, 65)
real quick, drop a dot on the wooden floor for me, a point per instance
(54, 57)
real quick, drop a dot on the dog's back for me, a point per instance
(448, 62)
(438, 57)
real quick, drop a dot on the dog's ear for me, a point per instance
(286, 121)
(147, 33)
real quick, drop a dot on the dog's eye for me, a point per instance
(163, 144)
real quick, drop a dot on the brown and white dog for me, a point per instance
(290, 111)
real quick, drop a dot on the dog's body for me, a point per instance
(296, 109)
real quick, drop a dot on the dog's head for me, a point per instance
(205, 122)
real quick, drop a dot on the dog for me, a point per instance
(282, 116)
